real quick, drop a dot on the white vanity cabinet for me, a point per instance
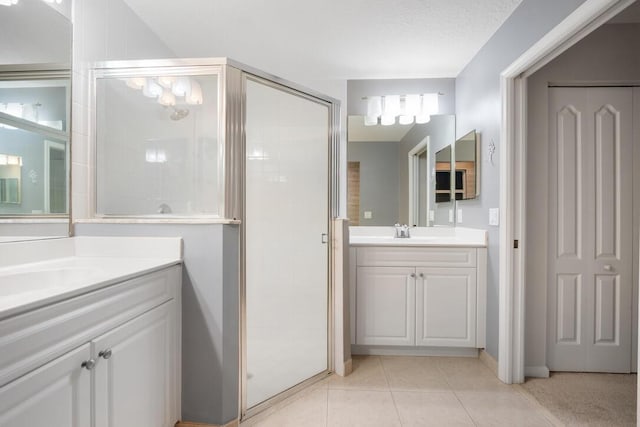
(107, 358)
(418, 297)
(57, 394)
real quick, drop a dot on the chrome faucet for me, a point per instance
(402, 231)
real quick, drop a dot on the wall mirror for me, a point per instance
(467, 173)
(378, 178)
(35, 98)
(443, 175)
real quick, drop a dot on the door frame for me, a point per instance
(414, 177)
(513, 160)
(48, 146)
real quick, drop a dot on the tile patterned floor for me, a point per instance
(409, 391)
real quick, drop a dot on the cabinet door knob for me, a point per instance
(422, 275)
(608, 267)
(105, 354)
(88, 364)
(413, 274)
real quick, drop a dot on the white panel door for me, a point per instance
(134, 378)
(590, 245)
(286, 235)
(56, 395)
(446, 307)
(385, 305)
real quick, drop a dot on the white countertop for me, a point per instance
(420, 236)
(35, 274)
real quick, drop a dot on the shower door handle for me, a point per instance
(325, 238)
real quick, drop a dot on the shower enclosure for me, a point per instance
(212, 139)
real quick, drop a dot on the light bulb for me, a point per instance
(151, 89)
(195, 95)
(167, 98)
(405, 120)
(136, 82)
(182, 86)
(166, 81)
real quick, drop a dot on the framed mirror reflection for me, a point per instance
(35, 116)
(382, 187)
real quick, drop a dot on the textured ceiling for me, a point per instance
(330, 39)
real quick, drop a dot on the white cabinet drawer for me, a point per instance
(32, 339)
(416, 257)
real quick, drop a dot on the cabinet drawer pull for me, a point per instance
(105, 354)
(88, 364)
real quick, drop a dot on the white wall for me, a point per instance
(608, 54)
(477, 106)
(103, 30)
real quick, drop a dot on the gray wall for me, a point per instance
(378, 180)
(608, 54)
(477, 106)
(210, 313)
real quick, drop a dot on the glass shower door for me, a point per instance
(286, 249)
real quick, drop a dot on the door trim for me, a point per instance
(414, 186)
(513, 87)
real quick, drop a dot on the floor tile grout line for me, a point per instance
(326, 419)
(393, 398)
(455, 393)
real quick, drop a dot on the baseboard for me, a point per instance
(489, 361)
(234, 423)
(381, 350)
(536, 371)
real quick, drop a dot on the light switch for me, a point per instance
(459, 217)
(450, 215)
(494, 216)
(368, 214)
(432, 215)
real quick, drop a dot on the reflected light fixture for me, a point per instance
(194, 97)
(8, 159)
(8, 2)
(407, 108)
(167, 98)
(151, 89)
(53, 1)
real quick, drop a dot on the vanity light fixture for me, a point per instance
(407, 108)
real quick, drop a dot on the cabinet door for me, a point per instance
(385, 305)
(446, 307)
(57, 394)
(135, 381)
